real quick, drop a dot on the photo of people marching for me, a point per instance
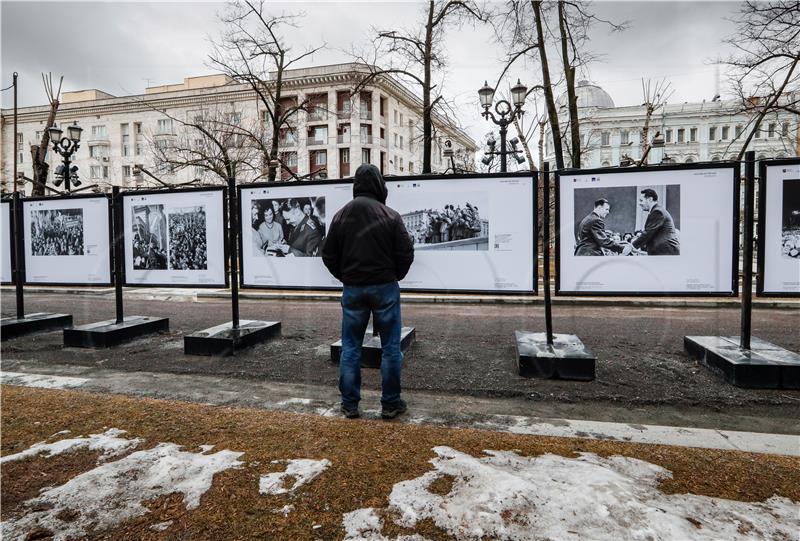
(188, 249)
(57, 232)
(149, 237)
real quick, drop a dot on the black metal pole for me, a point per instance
(16, 149)
(747, 241)
(19, 262)
(234, 251)
(503, 128)
(548, 312)
(66, 172)
(119, 250)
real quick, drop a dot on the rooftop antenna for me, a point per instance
(147, 81)
(716, 79)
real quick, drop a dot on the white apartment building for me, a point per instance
(380, 125)
(693, 132)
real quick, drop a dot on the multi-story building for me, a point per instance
(335, 133)
(693, 132)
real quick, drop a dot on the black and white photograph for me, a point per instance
(445, 221)
(188, 244)
(57, 232)
(288, 227)
(627, 220)
(790, 233)
(149, 237)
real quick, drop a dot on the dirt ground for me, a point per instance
(462, 349)
(368, 458)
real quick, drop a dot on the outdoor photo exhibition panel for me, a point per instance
(779, 229)
(5, 242)
(648, 231)
(470, 233)
(67, 240)
(175, 238)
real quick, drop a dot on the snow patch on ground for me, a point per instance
(292, 401)
(40, 380)
(205, 448)
(303, 470)
(109, 442)
(161, 526)
(511, 497)
(114, 492)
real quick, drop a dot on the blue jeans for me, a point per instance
(383, 301)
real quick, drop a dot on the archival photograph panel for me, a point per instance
(779, 242)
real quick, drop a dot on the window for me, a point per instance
(624, 137)
(125, 150)
(401, 119)
(401, 142)
(137, 149)
(98, 151)
(411, 167)
(401, 163)
(771, 129)
(681, 135)
(137, 128)
(365, 155)
(395, 116)
(693, 135)
(785, 129)
(165, 126)
(605, 139)
(19, 139)
(726, 132)
(99, 131)
(395, 139)
(344, 155)
(396, 161)
(234, 119)
(123, 129)
(37, 136)
(320, 157)
(290, 159)
(94, 171)
(739, 130)
(318, 135)
(20, 157)
(126, 171)
(668, 136)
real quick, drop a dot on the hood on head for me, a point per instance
(369, 182)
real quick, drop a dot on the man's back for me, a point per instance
(367, 242)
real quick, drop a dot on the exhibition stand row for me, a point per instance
(662, 230)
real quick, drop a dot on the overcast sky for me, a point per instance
(122, 47)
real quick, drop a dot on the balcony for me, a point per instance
(383, 120)
(383, 142)
(316, 142)
(365, 114)
(285, 142)
(344, 114)
(317, 113)
(366, 139)
(343, 139)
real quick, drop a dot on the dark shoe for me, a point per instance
(393, 411)
(350, 413)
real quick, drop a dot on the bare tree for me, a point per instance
(253, 48)
(39, 152)
(413, 55)
(763, 70)
(655, 97)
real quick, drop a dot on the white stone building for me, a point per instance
(693, 132)
(381, 125)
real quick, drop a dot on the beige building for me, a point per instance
(380, 125)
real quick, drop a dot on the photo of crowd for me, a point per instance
(437, 227)
(627, 221)
(149, 237)
(288, 227)
(188, 248)
(57, 232)
(790, 231)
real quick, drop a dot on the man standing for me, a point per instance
(592, 235)
(369, 250)
(659, 236)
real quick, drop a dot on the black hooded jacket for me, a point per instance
(367, 243)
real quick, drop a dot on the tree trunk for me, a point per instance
(39, 153)
(572, 99)
(525, 146)
(276, 125)
(548, 88)
(427, 126)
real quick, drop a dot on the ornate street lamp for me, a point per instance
(66, 147)
(507, 114)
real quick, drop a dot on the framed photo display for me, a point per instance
(779, 228)
(67, 240)
(472, 233)
(175, 238)
(6, 241)
(663, 230)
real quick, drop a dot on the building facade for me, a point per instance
(693, 132)
(335, 133)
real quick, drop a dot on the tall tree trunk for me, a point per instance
(525, 146)
(548, 87)
(572, 99)
(427, 125)
(39, 153)
(276, 125)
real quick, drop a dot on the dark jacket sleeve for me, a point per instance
(655, 221)
(332, 252)
(603, 240)
(403, 249)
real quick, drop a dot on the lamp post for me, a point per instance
(507, 114)
(66, 147)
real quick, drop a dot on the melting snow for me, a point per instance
(114, 492)
(109, 442)
(510, 497)
(40, 380)
(302, 470)
(290, 401)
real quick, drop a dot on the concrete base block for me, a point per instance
(223, 340)
(11, 327)
(566, 358)
(104, 334)
(371, 352)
